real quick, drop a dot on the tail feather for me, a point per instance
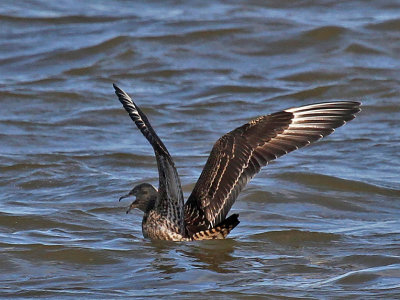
(220, 231)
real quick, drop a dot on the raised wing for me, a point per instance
(238, 155)
(170, 198)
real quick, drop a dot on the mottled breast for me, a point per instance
(157, 227)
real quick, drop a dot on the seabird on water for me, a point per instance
(235, 158)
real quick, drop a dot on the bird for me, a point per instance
(234, 160)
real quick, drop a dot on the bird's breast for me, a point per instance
(158, 227)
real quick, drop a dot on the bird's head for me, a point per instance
(146, 196)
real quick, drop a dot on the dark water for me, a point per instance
(322, 222)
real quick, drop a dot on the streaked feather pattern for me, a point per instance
(170, 201)
(235, 158)
(238, 155)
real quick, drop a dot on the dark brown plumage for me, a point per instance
(235, 158)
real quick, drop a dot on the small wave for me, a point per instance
(360, 276)
(98, 48)
(362, 49)
(388, 25)
(26, 166)
(314, 92)
(59, 20)
(147, 71)
(313, 76)
(196, 35)
(29, 222)
(338, 184)
(44, 183)
(236, 89)
(325, 33)
(163, 73)
(86, 70)
(370, 260)
(66, 254)
(294, 237)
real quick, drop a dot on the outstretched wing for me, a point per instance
(238, 155)
(170, 200)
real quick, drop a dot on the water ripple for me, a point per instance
(321, 222)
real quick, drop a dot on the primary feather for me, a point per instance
(235, 158)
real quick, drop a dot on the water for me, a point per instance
(321, 222)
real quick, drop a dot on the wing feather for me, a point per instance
(240, 154)
(170, 199)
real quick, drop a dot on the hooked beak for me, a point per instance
(133, 204)
(124, 196)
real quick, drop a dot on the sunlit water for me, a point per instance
(321, 222)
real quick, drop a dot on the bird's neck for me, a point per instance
(151, 203)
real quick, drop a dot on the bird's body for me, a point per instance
(157, 226)
(235, 158)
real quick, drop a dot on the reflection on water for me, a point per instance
(320, 222)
